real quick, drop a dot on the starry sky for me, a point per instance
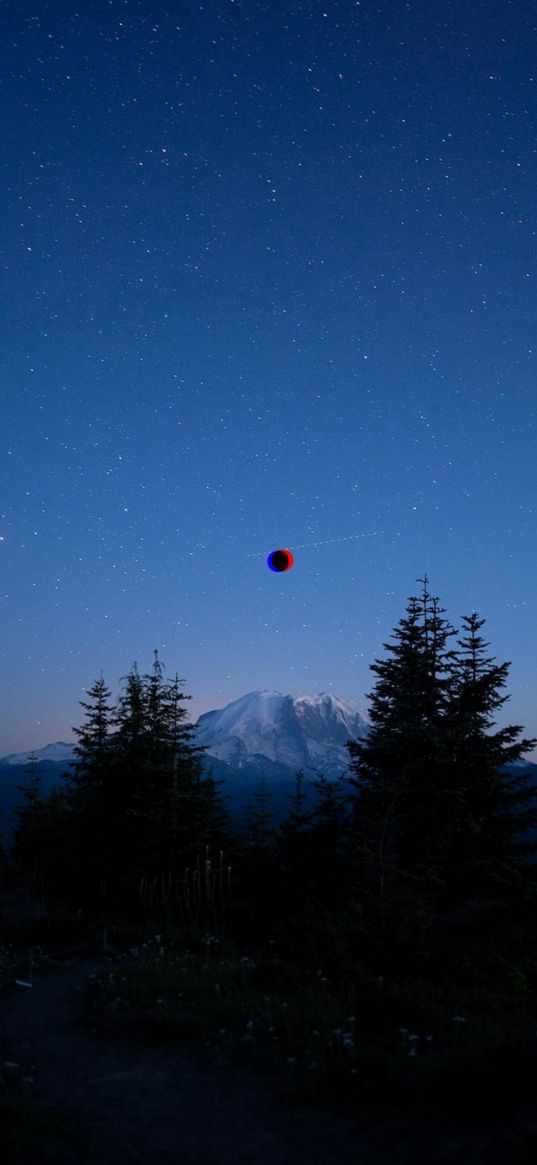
(268, 280)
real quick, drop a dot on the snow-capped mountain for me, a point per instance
(287, 731)
(267, 728)
(264, 732)
(58, 753)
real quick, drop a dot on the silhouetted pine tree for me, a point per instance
(130, 717)
(104, 793)
(59, 880)
(298, 816)
(292, 831)
(195, 810)
(397, 801)
(27, 849)
(327, 838)
(257, 901)
(293, 844)
(40, 837)
(4, 864)
(133, 779)
(157, 760)
(94, 749)
(138, 802)
(93, 801)
(482, 849)
(258, 822)
(290, 888)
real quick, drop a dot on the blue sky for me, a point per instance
(269, 281)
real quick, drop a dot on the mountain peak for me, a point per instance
(265, 726)
(58, 752)
(291, 732)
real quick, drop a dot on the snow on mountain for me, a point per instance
(290, 732)
(262, 726)
(58, 753)
(301, 732)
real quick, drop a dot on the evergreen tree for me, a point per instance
(94, 748)
(483, 851)
(328, 826)
(157, 762)
(134, 781)
(195, 808)
(29, 823)
(435, 818)
(291, 833)
(61, 869)
(298, 816)
(324, 843)
(92, 800)
(130, 717)
(292, 837)
(174, 808)
(4, 864)
(396, 803)
(40, 838)
(258, 822)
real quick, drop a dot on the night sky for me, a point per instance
(268, 281)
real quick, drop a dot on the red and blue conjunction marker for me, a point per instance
(280, 560)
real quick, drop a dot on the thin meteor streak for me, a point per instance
(323, 542)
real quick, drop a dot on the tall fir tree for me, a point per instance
(327, 838)
(436, 820)
(292, 832)
(491, 807)
(259, 823)
(134, 778)
(29, 824)
(174, 808)
(395, 768)
(95, 743)
(93, 801)
(196, 812)
(157, 763)
(40, 845)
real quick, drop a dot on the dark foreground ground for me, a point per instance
(94, 1101)
(72, 1097)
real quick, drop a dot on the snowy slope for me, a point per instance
(57, 753)
(261, 726)
(293, 732)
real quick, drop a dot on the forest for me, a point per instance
(378, 948)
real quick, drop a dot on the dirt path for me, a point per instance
(113, 1102)
(137, 1104)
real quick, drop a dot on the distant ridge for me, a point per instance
(58, 753)
(263, 733)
